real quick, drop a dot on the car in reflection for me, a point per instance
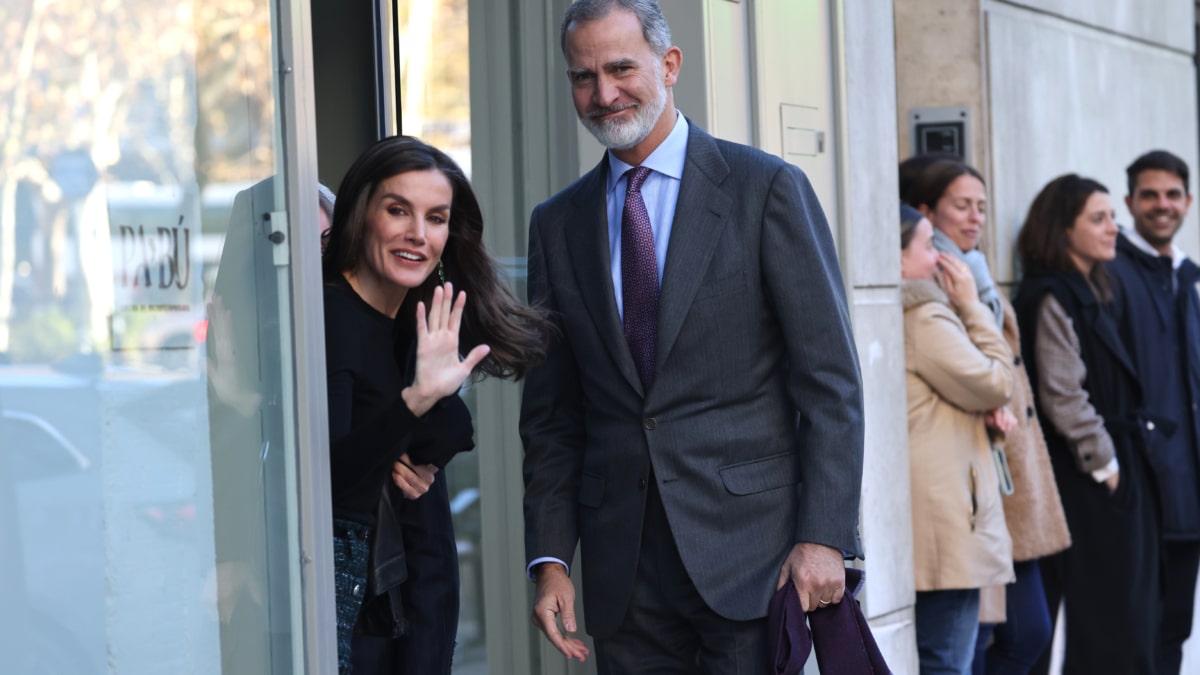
(98, 490)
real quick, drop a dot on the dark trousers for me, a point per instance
(668, 629)
(1026, 632)
(1180, 566)
(1109, 580)
(430, 593)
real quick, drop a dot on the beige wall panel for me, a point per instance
(1164, 22)
(793, 93)
(897, 640)
(886, 519)
(1066, 98)
(886, 502)
(939, 64)
(870, 227)
(727, 64)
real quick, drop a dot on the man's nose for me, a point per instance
(606, 91)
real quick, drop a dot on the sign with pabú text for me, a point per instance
(157, 271)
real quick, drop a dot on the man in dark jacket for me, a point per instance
(1160, 307)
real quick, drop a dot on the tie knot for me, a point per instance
(636, 176)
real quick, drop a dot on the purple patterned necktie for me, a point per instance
(639, 277)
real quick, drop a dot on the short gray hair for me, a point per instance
(327, 199)
(649, 15)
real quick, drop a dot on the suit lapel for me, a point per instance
(587, 244)
(700, 215)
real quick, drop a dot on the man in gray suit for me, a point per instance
(697, 426)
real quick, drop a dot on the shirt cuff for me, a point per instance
(1107, 471)
(539, 561)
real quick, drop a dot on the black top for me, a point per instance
(369, 360)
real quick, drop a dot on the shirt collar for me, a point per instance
(1177, 255)
(668, 158)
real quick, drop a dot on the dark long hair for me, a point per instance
(494, 316)
(1042, 242)
(1157, 159)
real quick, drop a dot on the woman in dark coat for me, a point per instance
(1087, 398)
(406, 234)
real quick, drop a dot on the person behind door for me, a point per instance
(697, 425)
(406, 234)
(1160, 320)
(1088, 396)
(958, 369)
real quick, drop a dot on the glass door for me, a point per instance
(435, 106)
(148, 509)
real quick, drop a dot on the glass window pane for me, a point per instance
(435, 106)
(145, 518)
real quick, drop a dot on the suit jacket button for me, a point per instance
(1016, 360)
(642, 484)
(1029, 412)
(649, 423)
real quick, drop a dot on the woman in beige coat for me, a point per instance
(952, 195)
(958, 369)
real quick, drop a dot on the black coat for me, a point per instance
(1109, 577)
(1158, 311)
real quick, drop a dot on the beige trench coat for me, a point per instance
(958, 367)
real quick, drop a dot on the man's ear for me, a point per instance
(672, 61)
(1129, 202)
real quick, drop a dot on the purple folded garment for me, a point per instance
(839, 632)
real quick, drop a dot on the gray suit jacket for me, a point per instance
(753, 425)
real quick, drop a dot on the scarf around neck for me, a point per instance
(977, 262)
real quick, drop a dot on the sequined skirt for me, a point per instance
(351, 558)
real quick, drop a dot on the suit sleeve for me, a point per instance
(551, 427)
(804, 285)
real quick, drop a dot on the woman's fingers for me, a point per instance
(478, 354)
(447, 302)
(435, 309)
(413, 480)
(422, 324)
(441, 308)
(457, 311)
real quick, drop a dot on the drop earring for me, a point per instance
(441, 272)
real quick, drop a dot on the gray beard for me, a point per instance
(618, 135)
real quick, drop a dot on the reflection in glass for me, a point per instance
(126, 130)
(435, 106)
(435, 71)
